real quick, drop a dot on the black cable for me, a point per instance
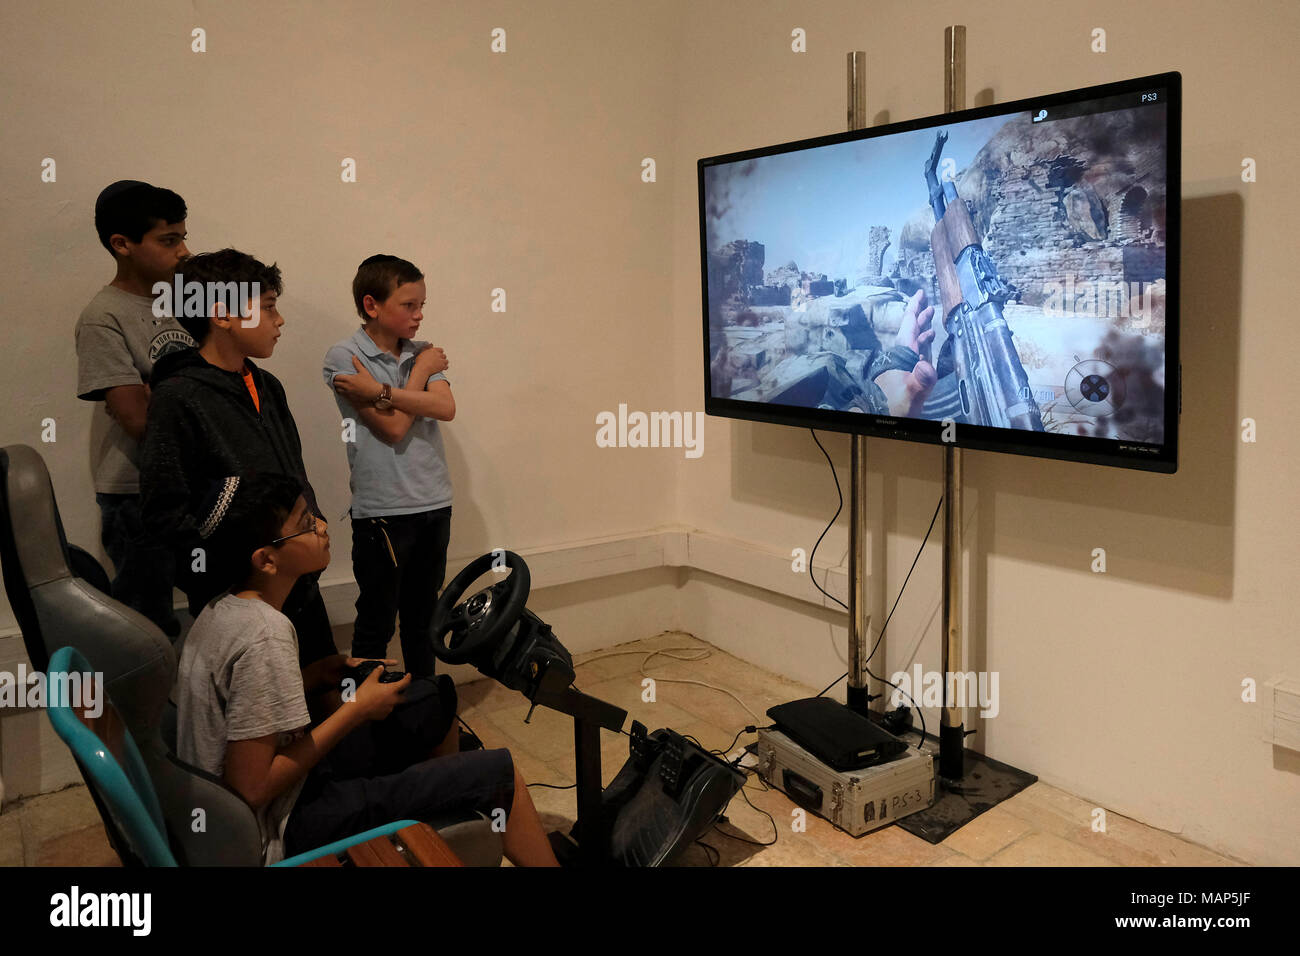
(709, 851)
(556, 786)
(749, 729)
(469, 728)
(909, 697)
(697, 743)
(832, 684)
(548, 786)
(813, 557)
(908, 578)
(933, 518)
(896, 600)
(890, 617)
(776, 832)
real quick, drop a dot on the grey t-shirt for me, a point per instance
(118, 340)
(238, 679)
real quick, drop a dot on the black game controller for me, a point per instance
(362, 671)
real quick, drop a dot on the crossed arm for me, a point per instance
(434, 400)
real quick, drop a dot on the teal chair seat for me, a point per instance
(154, 790)
(109, 758)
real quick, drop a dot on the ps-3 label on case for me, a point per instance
(901, 799)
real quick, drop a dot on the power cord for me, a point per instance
(776, 832)
(469, 728)
(881, 636)
(549, 786)
(813, 557)
(711, 852)
(751, 729)
(701, 654)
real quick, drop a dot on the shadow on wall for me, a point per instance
(1171, 531)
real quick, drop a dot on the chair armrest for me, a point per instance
(338, 846)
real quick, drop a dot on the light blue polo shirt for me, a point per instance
(405, 478)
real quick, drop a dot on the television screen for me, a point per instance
(1002, 278)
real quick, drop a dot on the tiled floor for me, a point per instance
(1041, 826)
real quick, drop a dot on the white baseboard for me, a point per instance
(37, 762)
(554, 565)
(740, 560)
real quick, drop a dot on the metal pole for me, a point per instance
(859, 692)
(951, 724)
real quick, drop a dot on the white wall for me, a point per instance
(522, 171)
(1125, 687)
(518, 171)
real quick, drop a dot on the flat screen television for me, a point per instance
(1003, 278)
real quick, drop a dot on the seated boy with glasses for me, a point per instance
(385, 753)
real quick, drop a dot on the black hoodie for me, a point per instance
(202, 428)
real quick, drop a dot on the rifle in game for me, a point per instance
(992, 386)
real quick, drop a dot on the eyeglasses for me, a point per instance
(310, 529)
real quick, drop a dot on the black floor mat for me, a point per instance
(986, 783)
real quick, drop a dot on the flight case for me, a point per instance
(856, 801)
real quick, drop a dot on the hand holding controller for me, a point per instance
(363, 670)
(378, 691)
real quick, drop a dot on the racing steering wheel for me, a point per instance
(479, 623)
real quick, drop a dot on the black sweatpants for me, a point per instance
(399, 562)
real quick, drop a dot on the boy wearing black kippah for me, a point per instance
(387, 754)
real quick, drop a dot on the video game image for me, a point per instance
(1006, 272)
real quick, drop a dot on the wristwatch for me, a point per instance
(385, 400)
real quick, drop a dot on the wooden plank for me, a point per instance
(427, 847)
(363, 854)
(328, 860)
(386, 853)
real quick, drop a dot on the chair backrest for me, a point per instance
(54, 608)
(107, 754)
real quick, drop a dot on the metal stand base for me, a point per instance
(858, 700)
(951, 749)
(985, 783)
